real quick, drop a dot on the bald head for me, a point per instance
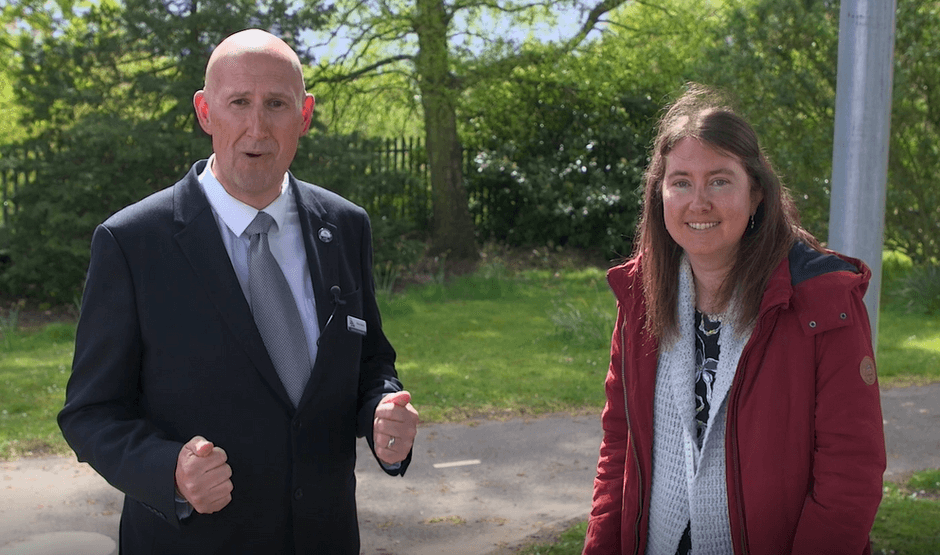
(252, 41)
(256, 109)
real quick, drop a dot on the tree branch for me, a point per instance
(366, 69)
(506, 65)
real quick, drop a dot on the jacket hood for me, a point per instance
(831, 274)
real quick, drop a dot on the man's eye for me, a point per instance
(720, 182)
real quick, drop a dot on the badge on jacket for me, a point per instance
(356, 325)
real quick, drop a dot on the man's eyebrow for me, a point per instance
(269, 94)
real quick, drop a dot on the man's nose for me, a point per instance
(257, 122)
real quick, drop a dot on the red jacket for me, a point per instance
(804, 441)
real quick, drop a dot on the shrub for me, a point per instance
(575, 183)
(103, 163)
(895, 266)
(921, 289)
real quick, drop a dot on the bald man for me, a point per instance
(230, 349)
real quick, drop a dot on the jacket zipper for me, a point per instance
(636, 460)
(737, 478)
(736, 387)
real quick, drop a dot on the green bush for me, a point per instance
(102, 164)
(921, 289)
(895, 266)
(575, 182)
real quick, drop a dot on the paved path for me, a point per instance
(476, 488)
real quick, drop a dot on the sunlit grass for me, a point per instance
(34, 368)
(495, 344)
(908, 522)
(488, 346)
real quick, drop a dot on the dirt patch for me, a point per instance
(30, 315)
(545, 536)
(512, 259)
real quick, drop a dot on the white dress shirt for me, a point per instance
(284, 238)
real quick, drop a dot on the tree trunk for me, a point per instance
(452, 228)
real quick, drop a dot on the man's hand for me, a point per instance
(203, 476)
(394, 427)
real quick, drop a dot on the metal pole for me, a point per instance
(862, 126)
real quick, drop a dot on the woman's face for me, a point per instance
(707, 203)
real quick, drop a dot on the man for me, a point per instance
(229, 349)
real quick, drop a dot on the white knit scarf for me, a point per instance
(689, 483)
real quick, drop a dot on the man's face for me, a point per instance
(256, 110)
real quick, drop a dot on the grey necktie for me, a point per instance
(275, 311)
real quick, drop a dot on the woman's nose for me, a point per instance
(700, 199)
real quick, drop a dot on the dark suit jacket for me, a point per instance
(167, 349)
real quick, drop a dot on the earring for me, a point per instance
(752, 221)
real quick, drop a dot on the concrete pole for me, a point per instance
(862, 126)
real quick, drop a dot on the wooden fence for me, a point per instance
(388, 177)
(19, 167)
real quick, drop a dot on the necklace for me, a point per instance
(713, 317)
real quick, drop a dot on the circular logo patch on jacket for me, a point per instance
(867, 370)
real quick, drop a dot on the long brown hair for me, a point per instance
(704, 114)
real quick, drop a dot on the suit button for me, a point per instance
(298, 494)
(297, 424)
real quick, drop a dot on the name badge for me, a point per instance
(356, 325)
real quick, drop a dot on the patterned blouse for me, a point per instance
(707, 332)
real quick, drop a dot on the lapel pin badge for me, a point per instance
(325, 235)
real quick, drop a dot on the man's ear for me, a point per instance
(202, 111)
(307, 113)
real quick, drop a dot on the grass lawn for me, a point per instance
(491, 344)
(908, 522)
(488, 345)
(34, 368)
(496, 345)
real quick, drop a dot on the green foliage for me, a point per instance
(563, 144)
(908, 345)
(779, 58)
(588, 319)
(107, 97)
(503, 355)
(107, 163)
(894, 267)
(921, 289)
(33, 373)
(912, 218)
(926, 482)
(908, 521)
(570, 541)
(396, 247)
(576, 184)
(397, 200)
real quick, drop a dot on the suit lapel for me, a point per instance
(321, 241)
(201, 243)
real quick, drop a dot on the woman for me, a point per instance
(743, 413)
